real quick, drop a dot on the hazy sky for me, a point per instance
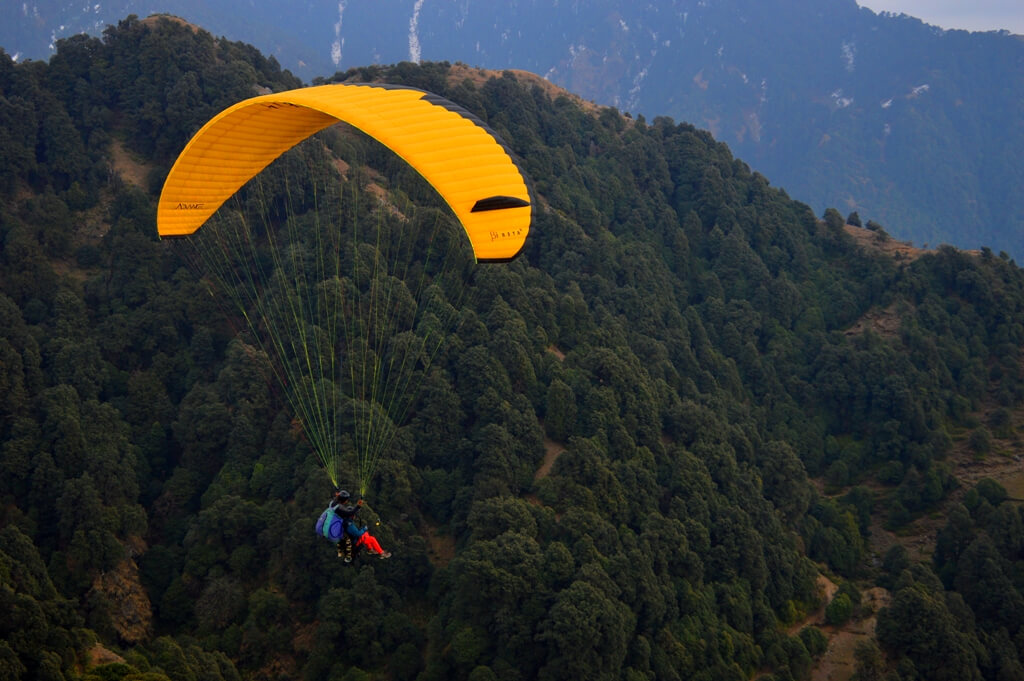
(972, 15)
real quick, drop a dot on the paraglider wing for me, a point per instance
(466, 163)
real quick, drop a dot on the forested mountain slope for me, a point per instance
(699, 351)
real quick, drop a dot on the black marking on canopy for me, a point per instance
(498, 203)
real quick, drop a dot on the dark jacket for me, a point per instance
(347, 513)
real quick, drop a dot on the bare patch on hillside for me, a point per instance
(827, 590)
(98, 655)
(152, 20)
(838, 662)
(885, 323)
(127, 166)
(557, 353)
(378, 191)
(1014, 484)
(133, 614)
(376, 188)
(1005, 466)
(880, 242)
(460, 72)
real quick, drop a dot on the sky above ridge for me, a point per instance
(971, 15)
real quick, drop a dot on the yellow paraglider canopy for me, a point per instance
(464, 161)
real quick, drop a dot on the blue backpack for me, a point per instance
(331, 525)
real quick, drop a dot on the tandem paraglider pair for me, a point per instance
(338, 524)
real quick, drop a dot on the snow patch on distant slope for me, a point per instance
(339, 42)
(414, 38)
(839, 101)
(633, 101)
(849, 52)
